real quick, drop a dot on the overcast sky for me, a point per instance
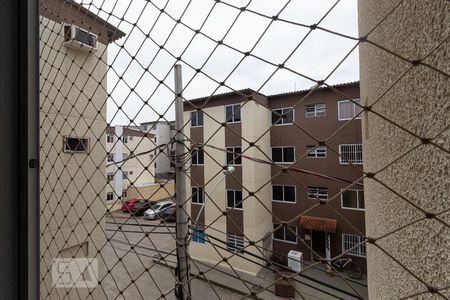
(318, 55)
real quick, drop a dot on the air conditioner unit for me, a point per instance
(79, 39)
(295, 259)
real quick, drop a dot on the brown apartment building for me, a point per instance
(267, 210)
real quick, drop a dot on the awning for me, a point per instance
(318, 224)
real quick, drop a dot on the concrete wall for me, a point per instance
(419, 102)
(72, 104)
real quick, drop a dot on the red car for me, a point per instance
(129, 204)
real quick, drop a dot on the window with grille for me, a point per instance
(198, 195)
(198, 234)
(350, 153)
(347, 109)
(110, 157)
(125, 139)
(283, 193)
(234, 199)
(315, 192)
(316, 151)
(110, 177)
(283, 154)
(109, 196)
(349, 241)
(234, 156)
(110, 138)
(235, 243)
(124, 194)
(315, 110)
(286, 233)
(198, 157)
(352, 199)
(283, 116)
(76, 145)
(196, 118)
(233, 113)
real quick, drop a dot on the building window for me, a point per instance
(125, 139)
(196, 118)
(110, 177)
(234, 199)
(350, 153)
(315, 192)
(125, 175)
(286, 233)
(235, 243)
(76, 145)
(349, 241)
(234, 156)
(347, 109)
(353, 199)
(283, 116)
(109, 196)
(283, 193)
(233, 113)
(124, 156)
(144, 127)
(316, 151)
(283, 154)
(198, 157)
(198, 235)
(315, 110)
(124, 194)
(110, 157)
(110, 138)
(198, 195)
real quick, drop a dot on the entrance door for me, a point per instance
(318, 244)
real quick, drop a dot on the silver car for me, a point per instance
(156, 209)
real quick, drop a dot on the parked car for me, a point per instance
(157, 209)
(169, 215)
(140, 207)
(129, 204)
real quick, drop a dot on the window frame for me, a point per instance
(282, 119)
(315, 110)
(275, 225)
(234, 200)
(87, 145)
(109, 174)
(196, 118)
(354, 109)
(240, 113)
(234, 248)
(108, 136)
(316, 197)
(359, 249)
(284, 201)
(314, 151)
(197, 195)
(347, 162)
(357, 199)
(282, 153)
(196, 155)
(109, 193)
(233, 163)
(108, 156)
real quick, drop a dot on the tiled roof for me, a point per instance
(318, 224)
(246, 92)
(319, 89)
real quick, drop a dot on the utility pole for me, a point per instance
(183, 288)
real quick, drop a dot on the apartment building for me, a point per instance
(73, 94)
(128, 149)
(163, 132)
(316, 136)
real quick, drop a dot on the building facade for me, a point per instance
(131, 150)
(163, 132)
(73, 95)
(305, 196)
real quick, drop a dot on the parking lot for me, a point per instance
(134, 270)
